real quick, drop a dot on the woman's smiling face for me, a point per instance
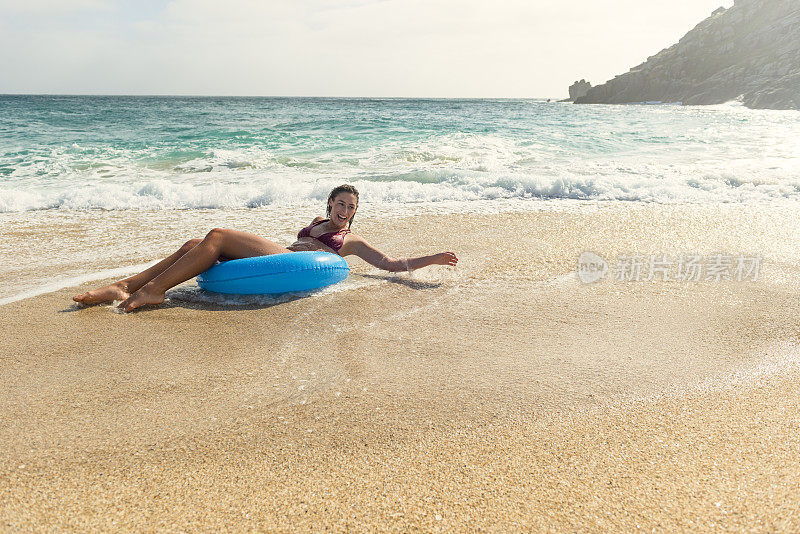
(342, 209)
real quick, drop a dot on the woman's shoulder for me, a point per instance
(318, 220)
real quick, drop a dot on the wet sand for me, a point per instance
(505, 395)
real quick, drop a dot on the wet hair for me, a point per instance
(344, 188)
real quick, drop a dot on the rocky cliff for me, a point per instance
(750, 51)
(579, 89)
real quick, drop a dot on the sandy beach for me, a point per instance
(503, 395)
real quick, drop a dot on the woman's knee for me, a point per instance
(216, 235)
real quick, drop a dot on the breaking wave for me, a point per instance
(284, 152)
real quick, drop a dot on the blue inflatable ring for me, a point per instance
(277, 273)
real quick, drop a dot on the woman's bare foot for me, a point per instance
(109, 293)
(141, 298)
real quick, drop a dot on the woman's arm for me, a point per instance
(375, 257)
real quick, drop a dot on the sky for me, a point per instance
(359, 48)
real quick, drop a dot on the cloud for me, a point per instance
(333, 47)
(52, 8)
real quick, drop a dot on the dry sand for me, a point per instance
(504, 396)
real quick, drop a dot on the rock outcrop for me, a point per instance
(579, 89)
(750, 52)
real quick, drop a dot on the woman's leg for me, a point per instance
(122, 289)
(231, 244)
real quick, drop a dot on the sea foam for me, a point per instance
(645, 183)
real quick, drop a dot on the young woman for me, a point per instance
(196, 255)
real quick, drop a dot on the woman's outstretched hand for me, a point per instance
(445, 258)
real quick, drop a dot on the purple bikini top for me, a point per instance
(334, 240)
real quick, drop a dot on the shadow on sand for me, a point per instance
(192, 297)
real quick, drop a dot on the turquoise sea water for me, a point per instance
(123, 153)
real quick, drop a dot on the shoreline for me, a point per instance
(56, 229)
(505, 395)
